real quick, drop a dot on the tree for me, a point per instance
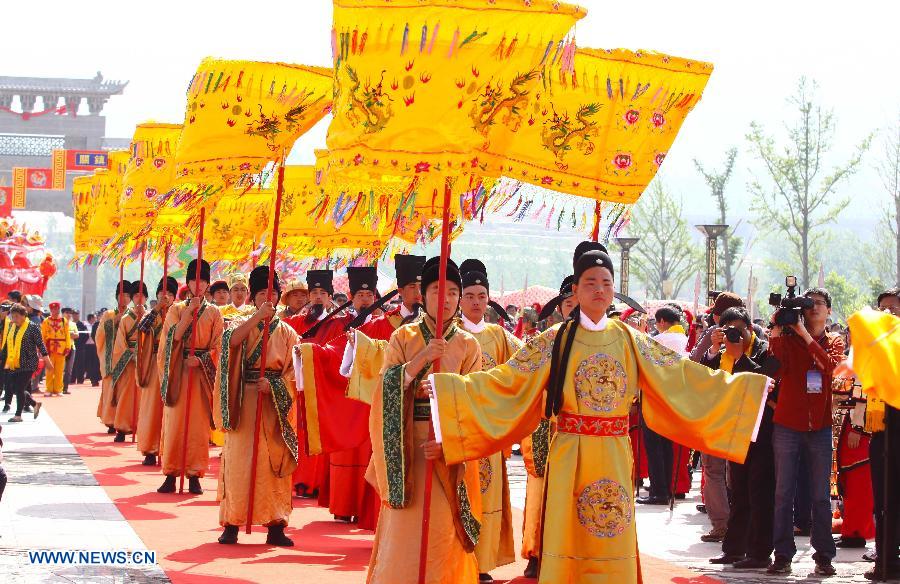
(889, 170)
(845, 297)
(665, 250)
(730, 243)
(801, 197)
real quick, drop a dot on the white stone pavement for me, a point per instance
(53, 502)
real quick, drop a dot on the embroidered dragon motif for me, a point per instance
(496, 100)
(562, 130)
(369, 106)
(297, 113)
(266, 127)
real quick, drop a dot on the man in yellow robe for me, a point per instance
(151, 406)
(238, 292)
(398, 426)
(184, 354)
(495, 542)
(239, 391)
(58, 340)
(597, 363)
(125, 394)
(105, 341)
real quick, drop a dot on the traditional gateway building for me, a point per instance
(39, 115)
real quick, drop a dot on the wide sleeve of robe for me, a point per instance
(876, 353)
(106, 334)
(122, 352)
(708, 410)
(368, 361)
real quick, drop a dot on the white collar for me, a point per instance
(590, 325)
(473, 327)
(404, 311)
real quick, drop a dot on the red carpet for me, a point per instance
(182, 529)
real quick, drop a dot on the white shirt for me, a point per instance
(473, 327)
(675, 341)
(590, 325)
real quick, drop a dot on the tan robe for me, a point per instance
(175, 390)
(105, 341)
(400, 478)
(125, 393)
(151, 406)
(495, 542)
(276, 459)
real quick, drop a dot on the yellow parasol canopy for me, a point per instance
(601, 124)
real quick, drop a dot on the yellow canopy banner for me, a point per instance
(420, 84)
(150, 172)
(104, 221)
(82, 203)
(240, 117)
(601, 124)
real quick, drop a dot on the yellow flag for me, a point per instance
(419, 85)
(240, 117)
(601, 124)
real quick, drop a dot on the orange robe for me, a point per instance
(174, 390)
(151, 406)
(398, 426)
(105, 340)
(277, 454)
(125, 394)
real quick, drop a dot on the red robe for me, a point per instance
(855, 484)
(312, 471)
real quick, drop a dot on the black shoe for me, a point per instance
(532, 569)
(751, 564)
(779, 566)
(277, 537)
(300, 490)
(344, 518)
(851, 542)
(876, 574)
(110, 430)
(680, 496)
(728, 559)
(5, 409)
(701, 508)
(194, 486)
(825, 569)
(229, 535)
(65, 392)
(168, 485)
(120, 437)
(651, 500)
(485, 578)
(27, 410)
(314, 494)
(149, 460)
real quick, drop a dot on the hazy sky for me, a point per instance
(759, 48)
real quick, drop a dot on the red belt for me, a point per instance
(569, 423)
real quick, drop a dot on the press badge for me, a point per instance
(813, 381)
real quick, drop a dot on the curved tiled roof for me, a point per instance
(61, 85)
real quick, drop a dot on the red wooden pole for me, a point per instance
(265, 342)
(438, 333)
(190, 383)
(137, 353)
(165, 289)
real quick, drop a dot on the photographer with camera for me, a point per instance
(748, 541)
(802, 423)
(715, 490)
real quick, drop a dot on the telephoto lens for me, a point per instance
(733, 334)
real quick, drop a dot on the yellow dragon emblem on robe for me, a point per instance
(558, 135)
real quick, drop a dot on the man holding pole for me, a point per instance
(187, 365)
(125, 396)
(238, 392)
(105, 340)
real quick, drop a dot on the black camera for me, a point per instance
(733, 334)
(790, 307)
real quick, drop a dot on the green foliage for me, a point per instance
(846, 298)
